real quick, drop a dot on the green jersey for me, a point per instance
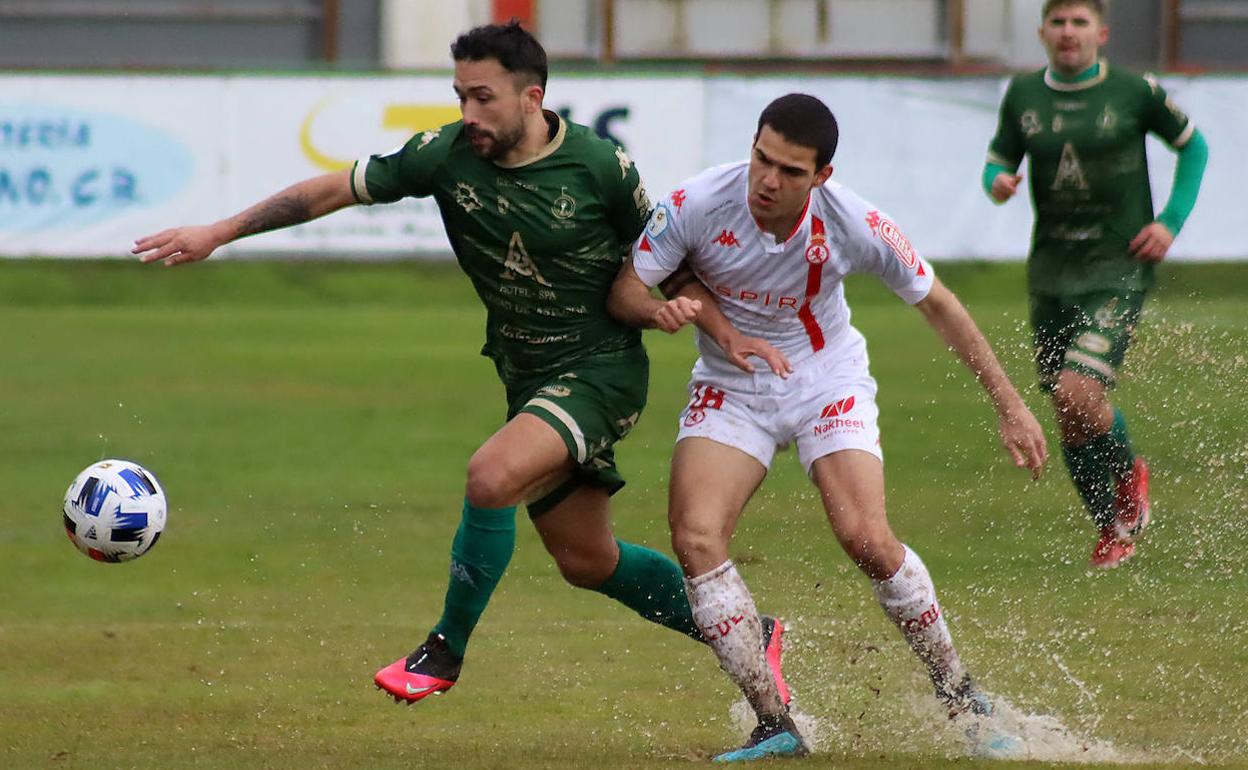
(1088, 173)
(541, 241)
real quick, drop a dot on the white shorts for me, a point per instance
(826, 405)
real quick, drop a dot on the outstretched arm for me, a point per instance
(689, 301)
(1020, 432)
(299, 203)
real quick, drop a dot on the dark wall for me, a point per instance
(228, 34)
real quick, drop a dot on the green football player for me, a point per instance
(540, 214)
(1095, 245)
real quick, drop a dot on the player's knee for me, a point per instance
(584, 568)
(490, 483)
(699, 548)
(1077, 397)
(873, 550)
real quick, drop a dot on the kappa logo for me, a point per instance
(625, 162)
(460, 572)
(887, 231)
(428, 136)
(726, 238)
(837, 408)
(678, 199)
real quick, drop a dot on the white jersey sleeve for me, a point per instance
(877, 246)
(662, 245)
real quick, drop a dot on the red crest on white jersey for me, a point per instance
(817, 252)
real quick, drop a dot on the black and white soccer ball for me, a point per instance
(115, 511)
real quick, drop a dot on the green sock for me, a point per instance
(652, 585)
(1090, 471)
(1121, 458)
(479, 556)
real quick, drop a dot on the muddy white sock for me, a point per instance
(725, 613)
(909, 600)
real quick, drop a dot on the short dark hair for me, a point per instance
(510, 44)
(1096, 6)
(804, 120)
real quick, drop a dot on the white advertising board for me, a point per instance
(88, 164)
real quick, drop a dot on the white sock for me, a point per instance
(725, 612)
(909, 600)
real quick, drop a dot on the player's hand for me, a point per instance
(677, 312)
(740, 347)
(1151, 243)
(1024, 439)
(1004, 186)
(181, 244)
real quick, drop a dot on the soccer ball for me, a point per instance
(115, 511)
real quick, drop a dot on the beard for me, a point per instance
(492, 145)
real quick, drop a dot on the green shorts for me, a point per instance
(592, 404)
(1086, 333)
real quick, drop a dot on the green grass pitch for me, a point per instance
(312, 422)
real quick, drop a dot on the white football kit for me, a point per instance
(790, 294)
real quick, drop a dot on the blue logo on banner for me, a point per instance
(66, 168)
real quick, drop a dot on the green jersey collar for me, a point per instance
(1092, 76)
(554, 144)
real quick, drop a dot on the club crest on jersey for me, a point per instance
(1030, 123)
(466, 197)
(887, 231)
(817, 252)
(564, 206)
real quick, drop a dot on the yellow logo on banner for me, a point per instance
(410, 118)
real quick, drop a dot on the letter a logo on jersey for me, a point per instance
(518, 261)
(1069, 171)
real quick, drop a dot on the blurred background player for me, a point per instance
(1095, 244)
(540, 213)
(773, 239)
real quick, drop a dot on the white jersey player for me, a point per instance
(772, 239)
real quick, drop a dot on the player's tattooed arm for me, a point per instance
(275, 213)
(301, 202)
